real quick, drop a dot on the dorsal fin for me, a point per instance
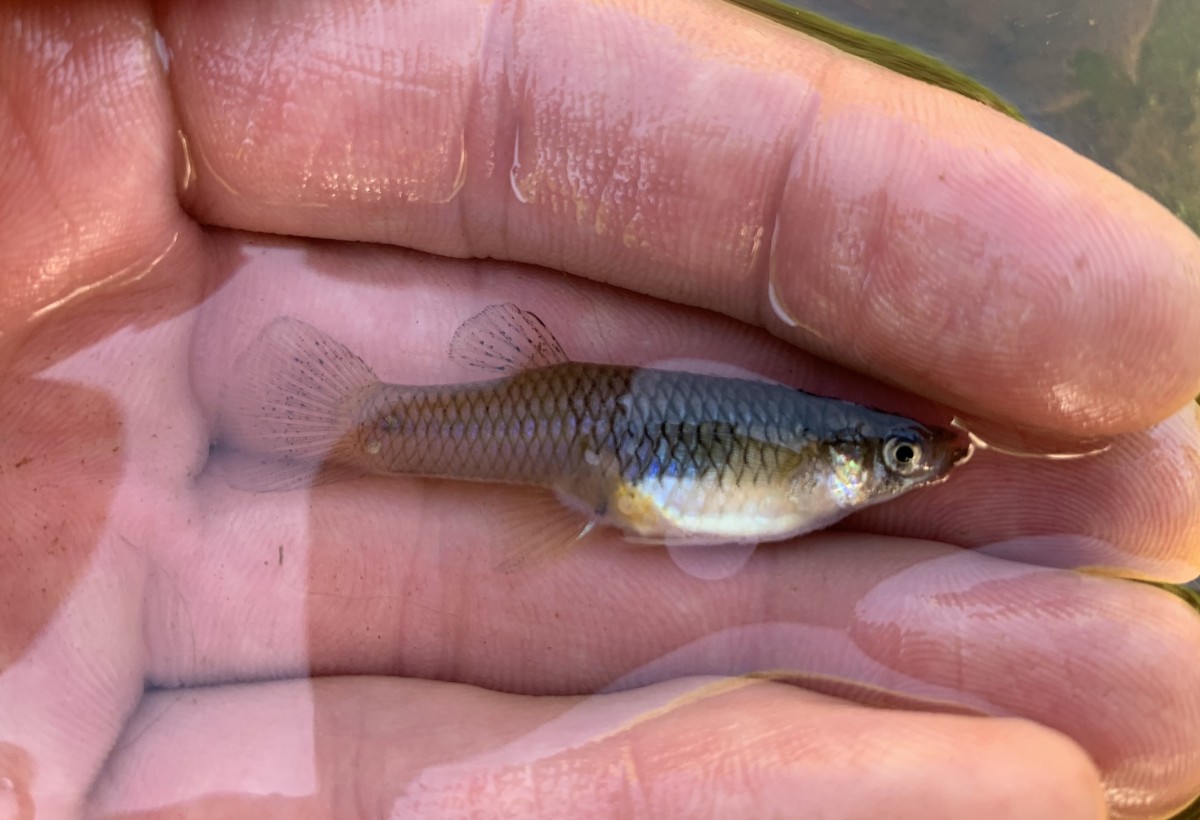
(505, 338)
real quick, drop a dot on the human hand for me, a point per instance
(688, 152)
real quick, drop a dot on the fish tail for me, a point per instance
(290, 410)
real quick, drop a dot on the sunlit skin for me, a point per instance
(668, 168)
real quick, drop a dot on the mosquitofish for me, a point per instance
(663, 456)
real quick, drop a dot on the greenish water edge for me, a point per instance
(1186, 593)
(1143, 120)
(881, 50)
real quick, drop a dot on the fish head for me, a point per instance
(877, 462)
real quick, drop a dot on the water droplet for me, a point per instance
(163, 50)
(514, 172)
(187, 170)
(777, 306)
(460, 177)
(711, 563)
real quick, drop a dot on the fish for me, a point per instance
(662, 456)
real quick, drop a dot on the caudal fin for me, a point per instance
(289, 410)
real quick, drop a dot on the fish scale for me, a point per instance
(668, 422)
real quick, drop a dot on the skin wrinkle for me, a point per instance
(460, 629)
(487, 158)
(29, 139)
(194, 158)
(357, 761)
(983, 293)
(74, 235)
(257, 90)
(70, 229)
(637, 803)
(872, 242)
(934, 358)
(472, 126)
(799, 134)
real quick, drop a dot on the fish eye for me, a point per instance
(903, 456)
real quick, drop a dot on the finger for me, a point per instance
(88, 141)
(1135, 509)
(903, 230)
(701, 748)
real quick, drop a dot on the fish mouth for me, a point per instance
(958, 446)
(961, 451)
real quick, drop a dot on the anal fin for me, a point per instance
(538, 528)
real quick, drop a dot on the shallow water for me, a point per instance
(1114, 79)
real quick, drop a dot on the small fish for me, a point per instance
(663, 456)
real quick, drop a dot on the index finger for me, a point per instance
(695, 152)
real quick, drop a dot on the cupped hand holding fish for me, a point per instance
(668, 457)
(174, 642)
